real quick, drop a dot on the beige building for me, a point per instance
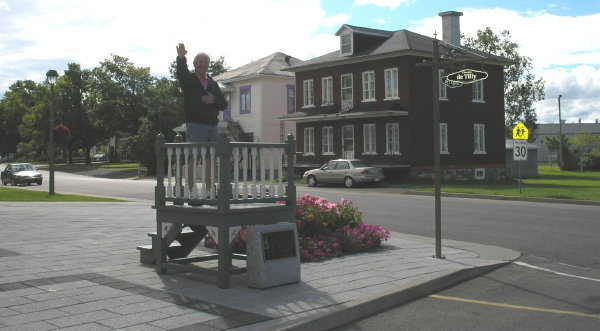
(259, 93)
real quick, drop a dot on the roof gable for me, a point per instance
(271, 65)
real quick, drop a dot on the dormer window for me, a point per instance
(346, 44)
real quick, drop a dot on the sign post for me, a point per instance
(457, 79)
(520, 136)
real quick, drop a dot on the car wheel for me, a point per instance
(3, 182)
(39, 183)
(349, 182)
(13, 182)
(312, 181)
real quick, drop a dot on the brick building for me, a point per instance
(370, 100)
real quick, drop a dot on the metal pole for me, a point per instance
(436, 148)
(51, 142)
(519, 164)
(560, 138)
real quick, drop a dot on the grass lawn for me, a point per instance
(551, 183)
(16, 194)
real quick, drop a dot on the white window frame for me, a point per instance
(346, 40)
(444, 138)
(342, 87)
(327, 140)
(443, 91)
(477, 91)
(392, 139)
(479, 138)
(479, 173)
(309, 141)
(326, 91)
(390, 77)
(308, 97)
(369, 139)
(368, 86)
(344, 138)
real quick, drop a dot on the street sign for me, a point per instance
(465, 76)
(520, 150)
(520, 132)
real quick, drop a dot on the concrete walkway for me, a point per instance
(75, 266)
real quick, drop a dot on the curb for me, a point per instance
(355, 310)
(507, 198)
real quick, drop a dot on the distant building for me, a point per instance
(569, 130)
(259, 93)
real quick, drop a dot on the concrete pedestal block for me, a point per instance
(273, 257)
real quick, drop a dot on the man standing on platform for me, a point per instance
(202, 100)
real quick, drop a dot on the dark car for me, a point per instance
(342, 171)
(21, 173)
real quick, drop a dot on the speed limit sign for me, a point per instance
(520, 150)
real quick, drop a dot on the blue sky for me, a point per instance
(36, 35)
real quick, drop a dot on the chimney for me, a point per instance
(451, 27)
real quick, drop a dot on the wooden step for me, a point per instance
(147, 253)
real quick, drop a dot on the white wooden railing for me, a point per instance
(224, 172)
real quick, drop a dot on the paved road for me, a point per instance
(515, 297)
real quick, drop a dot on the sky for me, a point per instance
(37, 35)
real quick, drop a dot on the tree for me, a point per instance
(74, 110)
(521, 88)
(218, 67)
(118, 97)
(165, 114)
(17, 101)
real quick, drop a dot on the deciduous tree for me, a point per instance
(521, 88)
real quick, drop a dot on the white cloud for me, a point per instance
(4, 6)
(146, 32)
(391, 4)
(335, 20)
(381, 21)
(564, 53)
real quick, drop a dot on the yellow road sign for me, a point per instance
(520, 132)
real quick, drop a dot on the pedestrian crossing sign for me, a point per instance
(520, 132)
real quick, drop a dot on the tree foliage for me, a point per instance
(114, 99)
(521, 88)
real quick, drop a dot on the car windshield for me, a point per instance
(23, 167)
(360, 164)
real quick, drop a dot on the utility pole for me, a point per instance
(436, 147)
(560, 137)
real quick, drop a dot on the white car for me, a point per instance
(342, 171)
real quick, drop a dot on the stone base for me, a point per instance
(272, 262)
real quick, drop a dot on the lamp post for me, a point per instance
(51, 77)
(560, 138)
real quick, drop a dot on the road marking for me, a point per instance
(555, 272)
(505, 305)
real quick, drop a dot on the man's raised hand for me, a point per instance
(181, 51)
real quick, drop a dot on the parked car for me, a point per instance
(21, 173)
(347, 172)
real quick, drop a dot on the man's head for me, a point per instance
(201, 62)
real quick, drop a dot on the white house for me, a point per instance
(258, 94)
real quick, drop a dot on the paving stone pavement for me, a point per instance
(74, 266)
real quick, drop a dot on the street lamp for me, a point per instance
(51, 77)
(560, 138)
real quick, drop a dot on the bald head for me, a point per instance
(201, 62)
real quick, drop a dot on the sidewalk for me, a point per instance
(75, 266)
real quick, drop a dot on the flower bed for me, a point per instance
(325, 230)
